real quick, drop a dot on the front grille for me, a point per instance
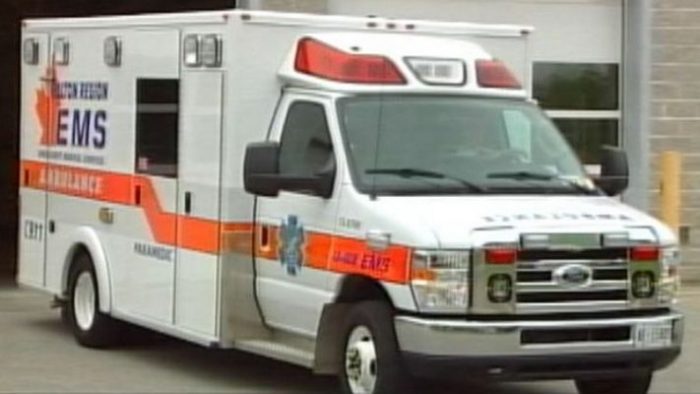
(586, 254)
(575, 335)
(540, 290)
(573, 296)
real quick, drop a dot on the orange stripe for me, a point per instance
(77, 182)
(320, 251)
(342, 255)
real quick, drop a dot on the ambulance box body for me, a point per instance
(366, 197)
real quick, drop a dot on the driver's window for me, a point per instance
(305, 147)
(519, 131)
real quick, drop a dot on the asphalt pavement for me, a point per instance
(39, 355)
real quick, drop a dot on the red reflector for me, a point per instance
(495, 74)
(501, 256)
(645, 253)
(320, 60)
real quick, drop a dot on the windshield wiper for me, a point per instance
(418, 172)
(522, 175)
(538, 176)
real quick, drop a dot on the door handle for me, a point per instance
(188, 203)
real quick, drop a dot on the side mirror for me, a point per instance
(614, 176)
(261, 174)
(261, 169)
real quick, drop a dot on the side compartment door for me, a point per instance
(37, 119)
(297, 228)
(197, 266)
(143, 242)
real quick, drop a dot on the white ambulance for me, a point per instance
(377, 199)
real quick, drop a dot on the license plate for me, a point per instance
(653, 335)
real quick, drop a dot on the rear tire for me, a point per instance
(90, 327)
(372, 362)
(622, 385)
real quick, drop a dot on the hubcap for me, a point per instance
(84, 301)
(361, 361)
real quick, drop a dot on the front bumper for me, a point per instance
(505, 350)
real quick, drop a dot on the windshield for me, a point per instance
(456, 145)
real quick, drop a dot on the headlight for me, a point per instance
(439, 280)
(669, 283)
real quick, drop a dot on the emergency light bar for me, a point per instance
(320, 60)
(495, 74)
(433, 71)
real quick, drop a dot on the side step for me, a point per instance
(277, 351)
(57, 303)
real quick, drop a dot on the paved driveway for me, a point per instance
(38, 355)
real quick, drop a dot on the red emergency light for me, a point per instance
(495, 74)
(501, 256)
(645, 253)
(323, 61)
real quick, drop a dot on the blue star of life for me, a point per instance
(292, 237)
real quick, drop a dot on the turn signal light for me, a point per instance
(495, 74)
(643, 284)
(500, 288)
(320, 60)
(645, 253)
(501, 256)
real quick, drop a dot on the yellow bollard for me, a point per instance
(671, 189)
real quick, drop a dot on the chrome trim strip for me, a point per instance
(580, 306)
(479, 326)
(550, 264)
(553, 287)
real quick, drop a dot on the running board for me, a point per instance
(277, 351)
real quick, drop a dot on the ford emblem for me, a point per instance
(573, 275)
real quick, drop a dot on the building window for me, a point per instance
(583, 99)
(588, 135)
(575, 86)
(157, 113)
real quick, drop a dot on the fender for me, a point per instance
(87, 237)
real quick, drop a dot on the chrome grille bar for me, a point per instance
(538, 289)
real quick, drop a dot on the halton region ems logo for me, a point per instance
(290, 249)
(46, 106)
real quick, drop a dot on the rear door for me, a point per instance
(143, 239)
(197, 265)
(36, 131)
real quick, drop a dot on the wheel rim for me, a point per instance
(361, 361)
(84, 301)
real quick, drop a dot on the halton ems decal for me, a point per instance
(291, 242)
(365, 261)
(72, 116)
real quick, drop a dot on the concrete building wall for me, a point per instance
(311, 6)
(675, 107)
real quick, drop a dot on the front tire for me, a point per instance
(372, 362)
(623, 385)
(90, 327)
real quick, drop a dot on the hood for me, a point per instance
(451, 219)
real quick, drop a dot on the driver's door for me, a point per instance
(295, 228)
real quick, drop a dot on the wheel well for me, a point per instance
(356, 288)
(73, 253)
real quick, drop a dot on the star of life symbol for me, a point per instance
(290, 250)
